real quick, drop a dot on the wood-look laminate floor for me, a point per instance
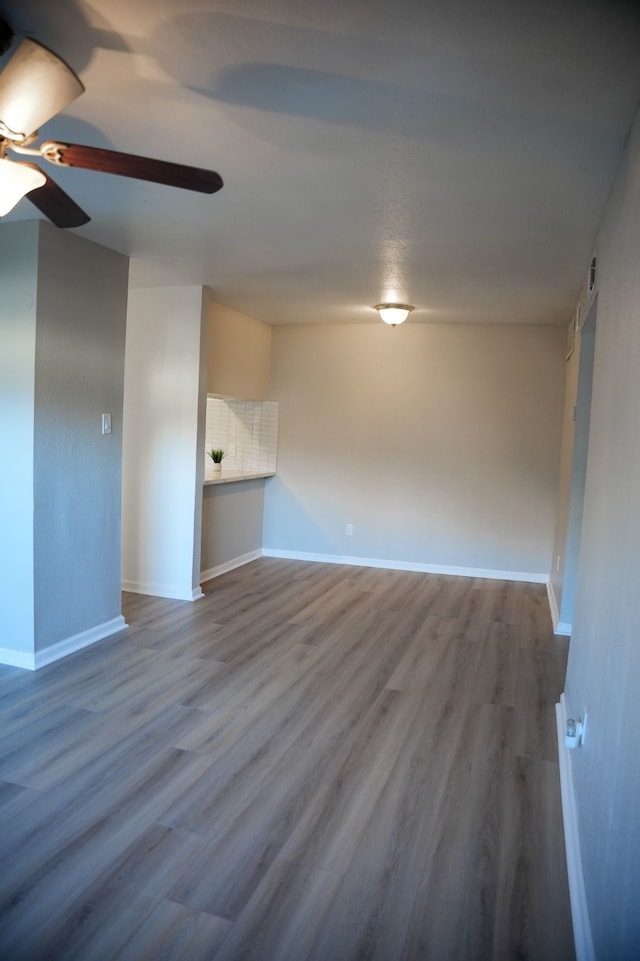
(312, 763)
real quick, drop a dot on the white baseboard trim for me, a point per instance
(559, 627)
(11, 658)
(70, 645)
(78, 641)
(553, 605)
(577, 893)
(532, 578)
(231, 565)
(171, 591)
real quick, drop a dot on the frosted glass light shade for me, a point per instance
(16, 180)
(34, 86)
(393, 314)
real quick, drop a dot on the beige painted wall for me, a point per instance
(438, 443)
(239, 354)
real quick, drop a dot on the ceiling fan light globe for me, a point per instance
(35, 85)
(17, 180)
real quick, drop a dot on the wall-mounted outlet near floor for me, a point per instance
(349, 529)
(558, 563)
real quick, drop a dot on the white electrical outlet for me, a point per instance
(106, 423)
(349, 529)
(576, 731)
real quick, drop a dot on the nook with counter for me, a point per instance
(247, 432)
(232, 501)
(242, 421)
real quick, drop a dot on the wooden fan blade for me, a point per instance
(57, 206)
(140, 168)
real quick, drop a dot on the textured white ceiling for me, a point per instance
(454, 155)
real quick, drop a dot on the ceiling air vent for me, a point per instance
(591, 276)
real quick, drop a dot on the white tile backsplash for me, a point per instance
(247, 430)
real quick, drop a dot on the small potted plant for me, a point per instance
(216, 456)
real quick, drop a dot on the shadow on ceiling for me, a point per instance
(62, 27)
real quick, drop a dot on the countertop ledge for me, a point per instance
(232, 478)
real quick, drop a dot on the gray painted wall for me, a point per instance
(579, 465)
(231, 522)
(18, 283)
(565, 474)
(63, 329)
(82, 302)
(604, 658)
(438, 443)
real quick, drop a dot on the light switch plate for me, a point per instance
(106, 423)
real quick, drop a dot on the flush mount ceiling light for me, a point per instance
(393, 314)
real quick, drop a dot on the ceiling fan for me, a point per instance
(35, 85)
